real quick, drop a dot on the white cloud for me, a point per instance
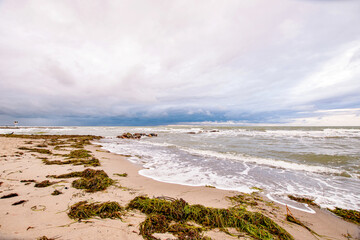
(111, 58)
(335, 117)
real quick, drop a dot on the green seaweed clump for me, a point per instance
(349, 215)
(94, 162)
(254, 224)
(91, 180)
(244, 200)
(157, 223)
(303, 200)
(38, 150)
(56, 192)
(44, 183)
(79, 153)
(84, 210)
(121, 175)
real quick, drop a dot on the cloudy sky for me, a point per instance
(141, 62)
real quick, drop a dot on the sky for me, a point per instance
(140, 62)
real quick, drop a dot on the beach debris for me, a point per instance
(91, 180)
(210, 186)
(303, 200)
(44, 183)
(38, 208)
(42, 145)
(79, 153)
(19, 154)
(19, 202)
(28, 181)
(157, 223)
(245, 199)
(38, 150)
(179, 211)
(349, 215)
(85, 210)
(94, 162)
(121, 175)
(11, 195)
(45, 238)
(80, 142)
(56, 192)
(29, 227)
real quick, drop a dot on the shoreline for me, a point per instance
(16, 220)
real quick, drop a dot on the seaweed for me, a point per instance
(186, 231)
(28, 181)
(121, 175)
(157, 223)
(303, 200)
(154, 223)
(87, 173)
(349, 215)
(45, 238)
(257, 189)
(244, 200)
(38, 150)
(44, 183)
(42, 145)
(94, 162)
(19, 202)
(11, 195)
(85, 210)
(91, 180)
(291, 218)
(59, 147)
(94, 184)
(80, 153)
(254, 224)
(56, 192)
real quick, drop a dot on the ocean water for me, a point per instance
(322, 163)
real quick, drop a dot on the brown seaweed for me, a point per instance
(11, 195)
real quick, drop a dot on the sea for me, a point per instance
(321, 163)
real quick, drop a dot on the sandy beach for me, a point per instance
(44, 214)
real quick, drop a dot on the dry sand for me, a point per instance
(45, 215)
